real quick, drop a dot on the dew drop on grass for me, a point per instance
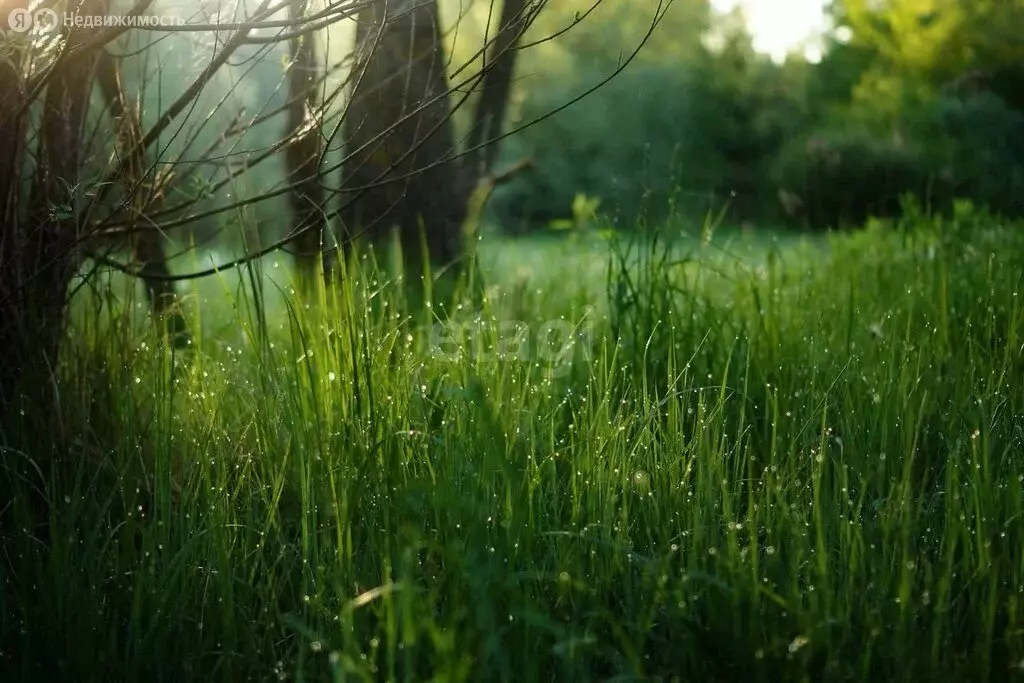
(798, 643)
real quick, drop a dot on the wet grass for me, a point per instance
(803, 464)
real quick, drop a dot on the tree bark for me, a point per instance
(492, 107)
(144, 239)
(400, 168)
(39, 246)
(303, 151)
(403, 167)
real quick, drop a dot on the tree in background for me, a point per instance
(304, 148)
(404, 167)
(918, 98)
(924, 44)
(57, 181)
(41, 214)
(621, 144)
(910, 98)
(691, 127)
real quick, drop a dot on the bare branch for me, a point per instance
(410, 162)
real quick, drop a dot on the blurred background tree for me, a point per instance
(913, 97)
(898, 97)
(907, 97)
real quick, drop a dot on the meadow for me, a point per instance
(668, 455)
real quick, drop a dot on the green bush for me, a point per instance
(977, 147)
(656, 139)
(841, 177)
(623, 144)
(951, 148)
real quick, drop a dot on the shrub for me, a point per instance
(623, 144)
(655, 140)
(951, 148)
(834, 178)
(976, 144)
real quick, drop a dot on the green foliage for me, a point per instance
(918, 99)
(795, 466)
(976, 146)
(933, 41)
(912, 50)
(712, 125)
(691, 132)
(948, 148)
(840, 178)
(623, 145)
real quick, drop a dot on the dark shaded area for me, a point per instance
(403, 167)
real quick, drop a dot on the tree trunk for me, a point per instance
(489, 117)
(402, 167)
(12, 139)
(38, 246)
(145, 239)
(303, 151)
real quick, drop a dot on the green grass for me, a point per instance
(799, 463)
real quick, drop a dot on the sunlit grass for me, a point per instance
(801, 463)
